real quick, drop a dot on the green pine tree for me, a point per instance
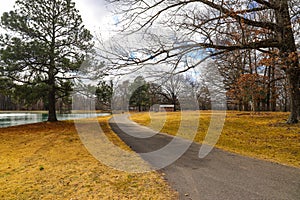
(45, 43)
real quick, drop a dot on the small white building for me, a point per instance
(166, 108)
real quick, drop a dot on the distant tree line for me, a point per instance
(31, 98)
(253, 81)
(140, 95)
(263, 89)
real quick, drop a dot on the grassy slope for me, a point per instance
(262, 135)
(48, 161)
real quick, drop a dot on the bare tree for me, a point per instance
(172, 86)
(176, 32)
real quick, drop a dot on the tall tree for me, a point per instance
(172, 86)
(139, 94)
(203, 24)
(45, 43)
(104, 94)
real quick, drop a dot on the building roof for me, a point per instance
(166, 106)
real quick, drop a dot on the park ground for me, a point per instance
(48, 161)
(262, 135)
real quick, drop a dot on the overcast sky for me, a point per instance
(94, 13)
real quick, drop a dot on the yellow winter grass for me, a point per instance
(263, 135)
(48, 161)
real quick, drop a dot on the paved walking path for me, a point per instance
(220, 175)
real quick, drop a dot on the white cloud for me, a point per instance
(6, 5)
(91, 11)
(95, 15)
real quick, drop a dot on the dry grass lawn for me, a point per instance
(48, 161)
(261, 135)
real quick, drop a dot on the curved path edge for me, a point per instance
(220, 175)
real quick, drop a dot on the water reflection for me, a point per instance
(13, 119)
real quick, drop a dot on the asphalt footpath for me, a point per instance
(220, 175)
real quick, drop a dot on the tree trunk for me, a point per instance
(268, 95)
(174, 98)
(289, 57)
(273, 90)
(51, 75)
(52, 100)
(293, 81)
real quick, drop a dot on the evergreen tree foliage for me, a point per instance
(44, 44)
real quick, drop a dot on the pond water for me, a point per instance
(13, 119)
